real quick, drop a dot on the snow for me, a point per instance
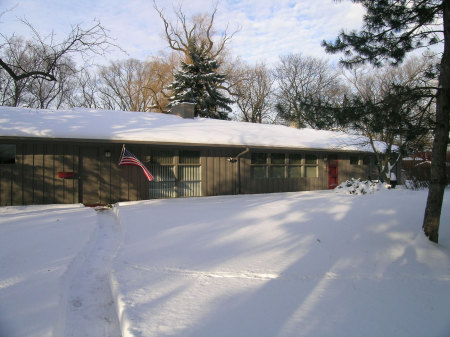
(356, 186)
(288, 264)
(38, 246)
(128, 126)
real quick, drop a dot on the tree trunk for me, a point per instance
(439, 152)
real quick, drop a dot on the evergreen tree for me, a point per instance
(392, 29)
(199, 83)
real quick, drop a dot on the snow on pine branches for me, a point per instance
(198, 82)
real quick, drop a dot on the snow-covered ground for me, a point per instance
(290, 264)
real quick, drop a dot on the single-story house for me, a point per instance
(71, 156)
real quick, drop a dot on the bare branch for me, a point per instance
(80, 41)
(200, 30)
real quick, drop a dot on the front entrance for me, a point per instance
(332, 171)
(89, 176)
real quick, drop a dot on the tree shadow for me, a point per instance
(293, 264)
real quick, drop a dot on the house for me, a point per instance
(71, 156)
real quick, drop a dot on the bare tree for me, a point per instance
(79, 41)
(299, 77)
(254, 93)
(412, 115)
(416, 72)
(15, 51)
(391, 105)
(86, 94)
(160, 75)
(40, 72)
(200, 29)
(130, 85)
(198, 33)
(44, 94)
(121, 86)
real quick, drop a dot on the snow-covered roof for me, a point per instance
(127, 126)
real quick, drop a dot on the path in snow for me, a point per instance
(89, 304)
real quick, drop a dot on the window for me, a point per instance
(277, 158)
(282, 165)
(259, 172)
(171, 179)
(259, 158)
(277, 165)
(354, 160)
(277, 171)
(189, 174)
(258, 169)
(163, 170)
(162, 157)
(311, 167)
(295, 159)
(189, 157)
(295, 165)
(7, 153)
(266, 165)
(366, 160)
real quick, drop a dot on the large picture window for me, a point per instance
(176, 174)
(7, 153)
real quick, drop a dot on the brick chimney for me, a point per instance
(184, 110)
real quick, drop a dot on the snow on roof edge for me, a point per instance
(148, 127)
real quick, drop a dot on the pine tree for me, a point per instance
(398, 117)
(392, 29)
(199, 83)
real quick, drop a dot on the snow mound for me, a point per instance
(356, 186)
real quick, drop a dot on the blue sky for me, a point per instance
(268, 28)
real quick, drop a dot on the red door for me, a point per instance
(332, 171)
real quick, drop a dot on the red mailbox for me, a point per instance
(66, 175)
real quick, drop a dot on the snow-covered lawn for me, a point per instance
(291, 264)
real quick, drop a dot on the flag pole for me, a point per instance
(121, 153)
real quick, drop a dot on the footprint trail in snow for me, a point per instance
(90, 307)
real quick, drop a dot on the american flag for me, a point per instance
(127, 158)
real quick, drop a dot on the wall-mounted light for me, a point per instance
(108, 154)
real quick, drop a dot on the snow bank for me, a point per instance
(356, 186)
(162, 128)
